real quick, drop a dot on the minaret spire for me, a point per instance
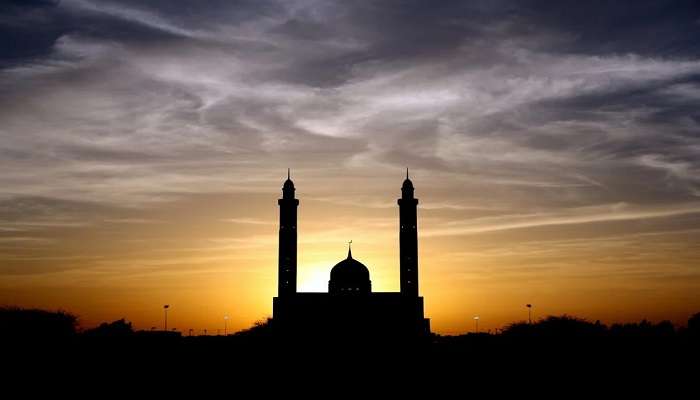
(289, 175)
(287, 263)
(408, 239)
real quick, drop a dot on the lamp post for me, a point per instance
(165, 309)
(225, 325)
(476, 320)
(529, 313)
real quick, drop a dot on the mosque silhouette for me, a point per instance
(350, 308)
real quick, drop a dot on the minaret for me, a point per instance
(408, 239)
(287, 264)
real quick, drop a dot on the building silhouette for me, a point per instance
(350, 308)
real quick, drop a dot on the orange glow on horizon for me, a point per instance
(555, 154)
(221, 259)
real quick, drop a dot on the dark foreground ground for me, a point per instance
(564, 356)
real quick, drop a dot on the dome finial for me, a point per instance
(406, 172)
(350, 249)
(288, 174)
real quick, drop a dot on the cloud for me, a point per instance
(251, 221)
(130, 14)
(583, 215)
(521, 107)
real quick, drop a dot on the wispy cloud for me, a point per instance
(130, 14)
(121, 121)
(249, 221)
(582, 215)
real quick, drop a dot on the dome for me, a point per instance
(349, 277)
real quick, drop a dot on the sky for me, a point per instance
(554, 147)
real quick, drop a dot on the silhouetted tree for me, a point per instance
(643, 329)
(20, 323)
(518, 329)
(262, 328)
(694, 325)
(564, 326)
(118, 328)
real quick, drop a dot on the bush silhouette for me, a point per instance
(261, 328)
(694, 325)
(19, 323)
(643, 329)
(564, 326)
(118, 328)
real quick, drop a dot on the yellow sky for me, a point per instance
(214, 255)
(143, 146)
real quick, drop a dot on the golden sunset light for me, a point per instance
(144, 147)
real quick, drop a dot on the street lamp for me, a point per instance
(165, 308)
(529, 313)
(225, 325)
(476, 320)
